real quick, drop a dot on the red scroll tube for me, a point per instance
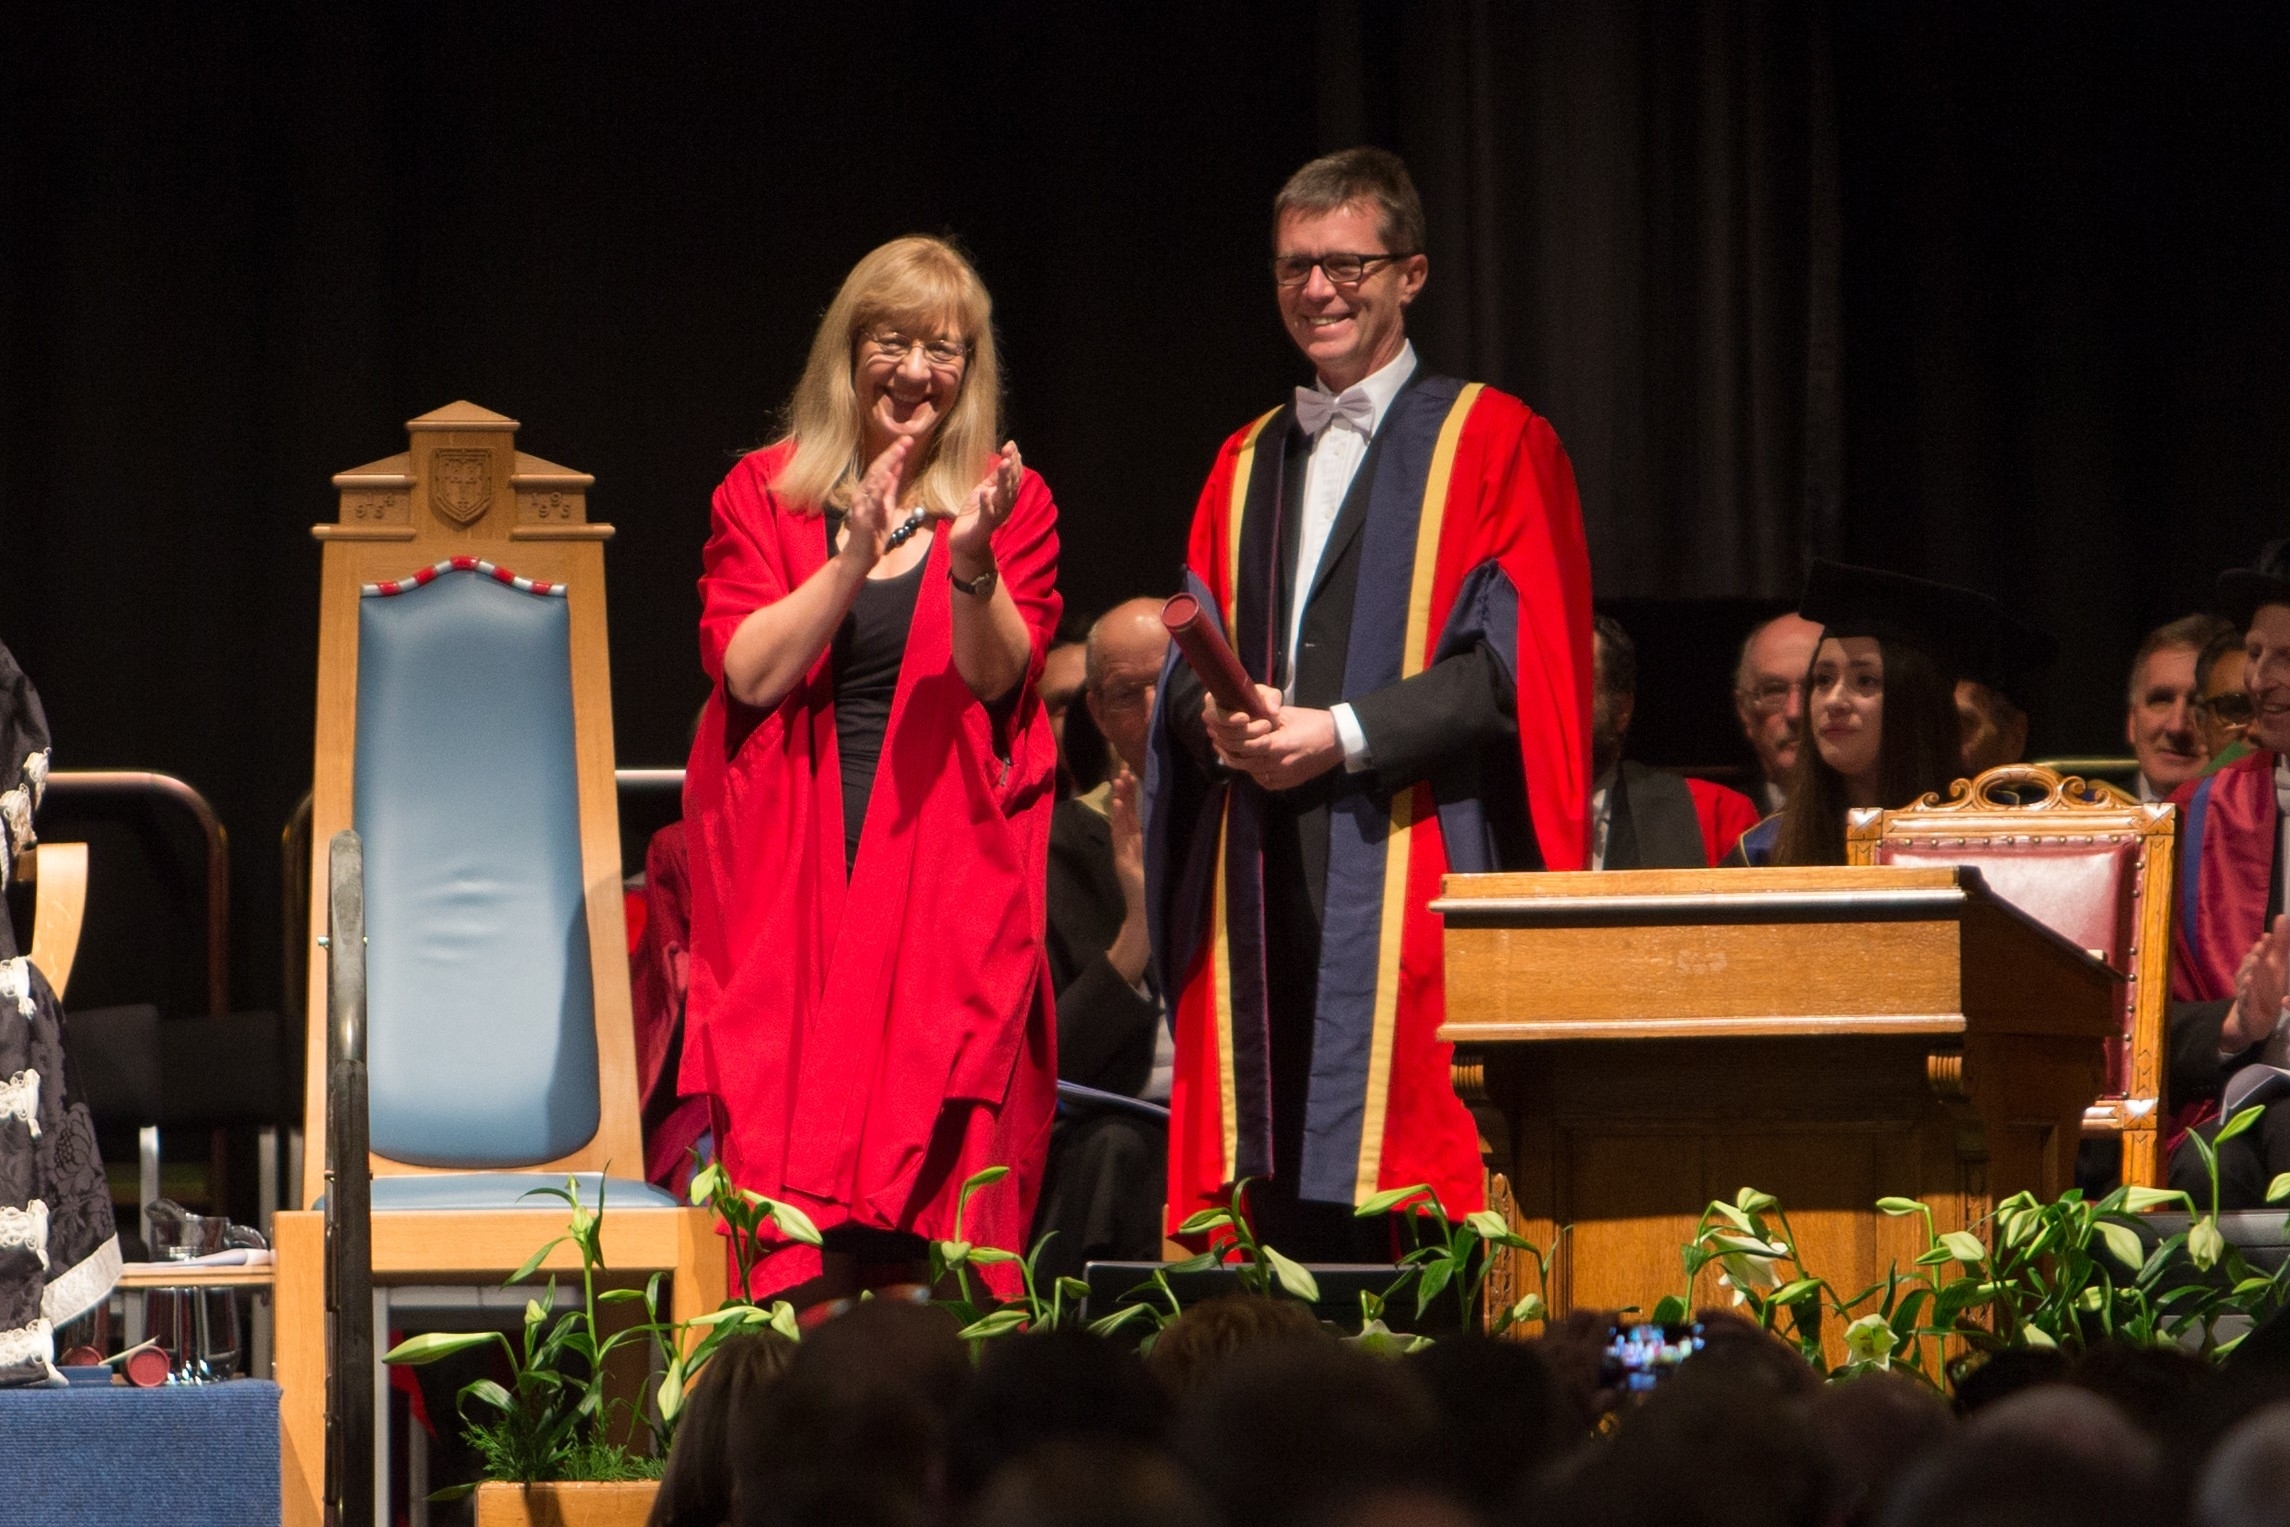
(1211, 656)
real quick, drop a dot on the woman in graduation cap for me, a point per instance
(1880, 704)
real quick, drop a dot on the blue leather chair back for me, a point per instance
(481, 1033)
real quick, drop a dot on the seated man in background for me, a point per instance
(2230, 1043)
(2222, 701)
(1769, 697)
(2161, 720)
(1992, 703)
(1105, 1184)
(1643, 818)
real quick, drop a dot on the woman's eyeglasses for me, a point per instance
(891, 345)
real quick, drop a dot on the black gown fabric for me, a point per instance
(59, 1253)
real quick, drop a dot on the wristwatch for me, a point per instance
(980, 587)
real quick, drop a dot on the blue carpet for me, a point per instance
(196, 1457)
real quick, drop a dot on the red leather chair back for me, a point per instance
(2081, 889)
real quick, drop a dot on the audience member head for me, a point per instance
(1050, 1387)
(1994, 688)
(720, 1420)
(1872, 1430)
(1502, 1417)
(854, 1434)
(1201, 1339)
(1098, 1483)
(1769, 691)
(2013, 1479)
(2004, 1374)
(2258, 600)
(1613, 694)
(1296, 1432)
(2246, 1483)
(1993, 728)
(1706, 1451)
(2222, 705)
(1881, 707)
(2160, 721)
(2074, 1419)
(1124, 654)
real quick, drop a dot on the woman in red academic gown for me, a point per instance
(869, 794)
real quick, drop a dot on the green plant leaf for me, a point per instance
(1206, 1219)
(1750, 1201)
(1790, 1293)
(1436, 1276)
(2236, 1125)
(2037, 1336)
(984, 1177)
(1001, 1323)
(792, 1222)
(1899, 1206)
(1390, 1199)
(486, 1392)
(1293, 1275)
(783, 1320)
(1669, 1310)
(454, 1492)
(428, 1347)
(1073, 1288)
(533, 1262)
(988, 1256)
(1488, 1225)
(2122, 1243)
(1119, 1318)
(1529, 1308)
(619, 1295)
(1732, 1216)
(2139, 1200)
(954, 1253)
(1965, 1247)
(2279, 1188)
(670, 1398)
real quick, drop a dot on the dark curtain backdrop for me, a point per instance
(1986, 292)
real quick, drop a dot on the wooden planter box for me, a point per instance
(566, 1505)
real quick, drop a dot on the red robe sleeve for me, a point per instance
(1724, 814)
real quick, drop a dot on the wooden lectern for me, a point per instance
(1654, 1039)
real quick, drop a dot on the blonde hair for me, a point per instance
(918, 285)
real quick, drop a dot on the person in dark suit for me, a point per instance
(1642, 818)
(1103, 1192)
(1397, 559)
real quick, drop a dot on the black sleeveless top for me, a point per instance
(869, 646)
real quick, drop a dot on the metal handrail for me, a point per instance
(349, 1197)
(70, 782)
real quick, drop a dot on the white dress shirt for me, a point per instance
(1334, 461)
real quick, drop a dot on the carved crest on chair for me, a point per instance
(461, 486)
(2027, 787)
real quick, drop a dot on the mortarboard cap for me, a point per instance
(2018, 656)
(1956, 628)
(2243, 590)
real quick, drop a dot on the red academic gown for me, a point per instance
(1473, 533)
(1724, 816)
(2228, 826)
(867, 1047)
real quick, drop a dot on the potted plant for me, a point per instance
(555, 1444)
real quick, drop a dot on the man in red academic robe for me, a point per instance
(1398, 560)
(2230, 1033)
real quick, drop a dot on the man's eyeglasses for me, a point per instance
(1770, 697)
(2229, 707)
(891, 345)
(1342, 269)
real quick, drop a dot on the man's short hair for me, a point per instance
(1372, 176)
(2195, 631)
(1615, 657)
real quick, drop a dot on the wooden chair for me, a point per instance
(464, 727)
(57, 874)
(2089, 862)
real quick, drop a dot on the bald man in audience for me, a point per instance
(2162, 721)
(1769, 697)
(1107, 1166)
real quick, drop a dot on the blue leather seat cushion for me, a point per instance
(481, 1028)
(507, 1190)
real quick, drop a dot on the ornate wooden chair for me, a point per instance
(464, 728)
(2087, 861)
(57, 873)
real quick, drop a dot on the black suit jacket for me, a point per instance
(1651, 823)
(1455, 723)
(1106, 1031)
